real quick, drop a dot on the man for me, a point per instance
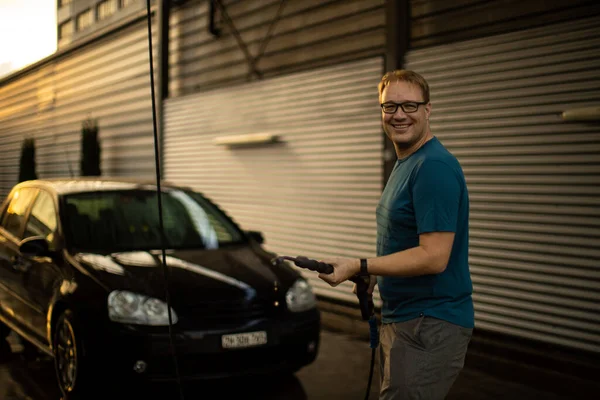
(422, 252)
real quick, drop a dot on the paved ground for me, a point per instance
(340, 372)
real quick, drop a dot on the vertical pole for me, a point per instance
(397, 14)
(163, 16)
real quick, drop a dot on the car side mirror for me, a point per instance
(34, 246)
(257, 236)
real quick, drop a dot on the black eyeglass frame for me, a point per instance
(401, 105)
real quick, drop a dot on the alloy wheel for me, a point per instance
(66, 355)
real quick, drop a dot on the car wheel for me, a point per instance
(69, 359)
(30, 352)
(4, 331)
(5, 351)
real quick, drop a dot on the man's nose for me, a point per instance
(399, 114)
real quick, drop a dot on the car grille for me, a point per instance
(223, 314)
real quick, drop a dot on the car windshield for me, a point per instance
(129, 220)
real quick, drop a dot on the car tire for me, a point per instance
(4, 331)
(69, 358)
(6, 353)
(30, 352)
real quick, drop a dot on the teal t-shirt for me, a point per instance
(426, 192)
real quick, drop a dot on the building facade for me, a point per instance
(77, 20)
(270, 107)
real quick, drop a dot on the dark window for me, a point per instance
(85, 19)
(13, 219)
(106, 8)
(42, 219)
(129, 220)
(65, 29)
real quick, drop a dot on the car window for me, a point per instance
(14, 217)
(129, 220)
(222, 224)
(42, 219)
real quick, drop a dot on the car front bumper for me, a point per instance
(292, 343)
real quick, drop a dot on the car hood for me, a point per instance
(235, 274)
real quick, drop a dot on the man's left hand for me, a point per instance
(343, 269)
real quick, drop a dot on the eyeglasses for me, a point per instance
(408, 106)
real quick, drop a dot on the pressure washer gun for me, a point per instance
(365, 300)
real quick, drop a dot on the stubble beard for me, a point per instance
(411, 142)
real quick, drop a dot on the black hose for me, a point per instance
(374, 343)
(370, 374)
(159, 196)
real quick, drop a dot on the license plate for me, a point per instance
(240, 340)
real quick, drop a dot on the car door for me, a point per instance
(12, 296)
(43, 276)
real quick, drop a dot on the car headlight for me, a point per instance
(300, 297)
(133, 308)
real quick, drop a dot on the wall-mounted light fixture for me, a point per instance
(582, 114)
(246, 140)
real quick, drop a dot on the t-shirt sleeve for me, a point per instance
(436, 194)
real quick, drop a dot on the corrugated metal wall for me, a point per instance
(534, 180)
(436, 22)
(107, 80)
(309, 34)
(282, 190)
(313, 194)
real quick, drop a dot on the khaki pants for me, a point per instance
(421, 358)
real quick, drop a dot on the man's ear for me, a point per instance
(427, 110)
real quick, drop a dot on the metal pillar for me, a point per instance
(397, 14)
(162, 89)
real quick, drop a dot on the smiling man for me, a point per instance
(421, 266)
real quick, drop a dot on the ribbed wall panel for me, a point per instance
(313, 194)
(108, 80)
(435, 22)
(533, 179)
(308, 34)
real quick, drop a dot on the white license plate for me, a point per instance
(240, 340)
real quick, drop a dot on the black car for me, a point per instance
(82, 278)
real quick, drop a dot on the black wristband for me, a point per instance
(363, 267)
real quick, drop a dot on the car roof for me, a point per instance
(63, 186)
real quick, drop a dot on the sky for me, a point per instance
(27, 33)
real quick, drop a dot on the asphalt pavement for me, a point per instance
(341, 371)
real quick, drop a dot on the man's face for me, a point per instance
(405, 130)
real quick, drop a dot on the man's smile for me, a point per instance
(400, 126)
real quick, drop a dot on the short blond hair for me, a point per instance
(404, 75)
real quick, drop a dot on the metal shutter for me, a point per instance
(533, 179)
(107, 80)
(314, 194)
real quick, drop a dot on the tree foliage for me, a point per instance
(27, 163)
(90, 149)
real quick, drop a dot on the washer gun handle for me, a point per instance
(307, 263)
(365, 300)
